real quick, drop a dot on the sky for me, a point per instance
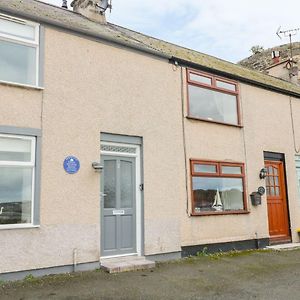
(225, 29)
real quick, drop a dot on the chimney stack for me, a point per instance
(91, 9)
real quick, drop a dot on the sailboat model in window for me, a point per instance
(217, 205)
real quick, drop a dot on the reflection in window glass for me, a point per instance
(212, 105)
(109, 183)
(13, 149)
(225, 85)
(202, 168)
(15, 195)
(17, 29)
(200, 79)
(17, 63)
(217, 194)
(126, 184)
(231, 170)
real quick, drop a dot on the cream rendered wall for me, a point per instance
(90, 88)
(266, 118)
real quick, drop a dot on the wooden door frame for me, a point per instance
(280, 157)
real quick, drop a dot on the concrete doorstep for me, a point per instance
(282, 247)
(125, 264)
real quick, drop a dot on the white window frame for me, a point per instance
(23, 41)
(31, 164)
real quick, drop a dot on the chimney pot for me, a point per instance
(276, 56)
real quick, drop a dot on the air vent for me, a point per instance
(118, 149)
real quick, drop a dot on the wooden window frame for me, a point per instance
(213, 86)
(218, 174)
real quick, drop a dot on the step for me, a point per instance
(281, 247)
(126, 263)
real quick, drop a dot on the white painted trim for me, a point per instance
(138, 205)
(120, 255)
(18, 226)
(23, 85)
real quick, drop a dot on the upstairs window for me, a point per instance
(19, 51)
(217, 187)
(212, 98)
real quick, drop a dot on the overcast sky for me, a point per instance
(225, 29)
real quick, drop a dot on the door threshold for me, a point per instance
(280, 241)
(120, 255)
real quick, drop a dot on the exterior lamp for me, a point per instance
(97, 166)
(263, 173)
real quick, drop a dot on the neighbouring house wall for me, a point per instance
(281, 71)
(267, 126)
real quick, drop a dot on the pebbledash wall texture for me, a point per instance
(186, 136)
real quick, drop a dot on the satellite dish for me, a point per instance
(103, 5)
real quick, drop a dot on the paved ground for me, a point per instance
(257, 275)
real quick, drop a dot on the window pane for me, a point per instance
(126, 184)
(231, 170)
(225, 85)
(200, 79)
(212, 105)
(202, 168)
(17, 29)
(110, 183)
(15, 195)
(17, 63)
(217, 194)
(13, 149)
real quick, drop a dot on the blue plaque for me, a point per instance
(71, 165)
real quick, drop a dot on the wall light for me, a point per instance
(263, 173)
(97, 166)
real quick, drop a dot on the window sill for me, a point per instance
(18, 226)
(217, 213)
(214, 122)
(21, 85)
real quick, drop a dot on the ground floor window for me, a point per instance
(17, 177)
(217, 187)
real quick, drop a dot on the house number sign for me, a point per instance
(71, 165)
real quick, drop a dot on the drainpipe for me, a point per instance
(74, 260)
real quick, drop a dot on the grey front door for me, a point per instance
(118, 209)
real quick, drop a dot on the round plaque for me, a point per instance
(71, 165)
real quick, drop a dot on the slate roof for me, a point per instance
(56, 16)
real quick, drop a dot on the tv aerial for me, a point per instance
(103, 5)
(287, 33)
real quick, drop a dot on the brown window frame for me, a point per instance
(219, 165)
(213, 86)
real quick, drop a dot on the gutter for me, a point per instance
(266, 86)
(86, 33)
